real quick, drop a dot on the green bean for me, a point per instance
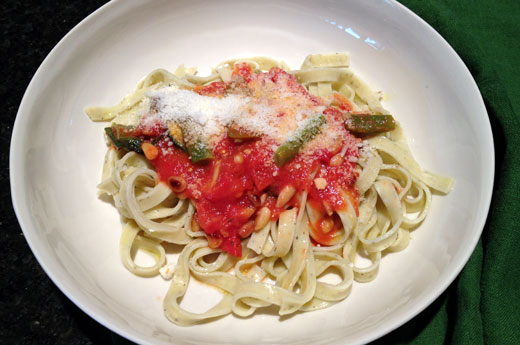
(292, 146)
(236, 132)
(200, 152)
(128, 143)
(370, 124)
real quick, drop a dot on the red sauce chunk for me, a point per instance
(229, 189)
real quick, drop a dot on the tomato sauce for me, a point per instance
(218, 89)
(228, 190)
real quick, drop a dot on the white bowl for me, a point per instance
(57, 154)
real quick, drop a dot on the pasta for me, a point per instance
(270, 178)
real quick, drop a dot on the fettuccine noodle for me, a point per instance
(281, 250)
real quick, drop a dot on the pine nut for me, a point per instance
(263, 217)
(239, 158)
(336, 160)
(263, 198)
(328, 208)
(327, 225)
(285, 195)
(194, 224)
(213, 242)
(246, 229)
(150, 152)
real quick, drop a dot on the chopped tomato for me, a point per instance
(226, 190)
(243, 70)
(216, 89)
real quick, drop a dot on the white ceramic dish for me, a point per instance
(57, 154)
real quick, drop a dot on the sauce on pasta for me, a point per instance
(269, 178)
(227, 191)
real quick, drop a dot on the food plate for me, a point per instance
(57, 155)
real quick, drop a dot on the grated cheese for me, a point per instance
(167, 271)
(212, 113)
(272, 110)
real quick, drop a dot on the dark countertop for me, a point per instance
(32, 309)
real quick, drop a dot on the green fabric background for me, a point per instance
(482, 306)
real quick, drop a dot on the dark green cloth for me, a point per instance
(482, 306)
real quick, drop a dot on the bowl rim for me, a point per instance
(17, 184)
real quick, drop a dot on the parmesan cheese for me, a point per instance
(273, 110)
(212, 113)
(167, 271)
